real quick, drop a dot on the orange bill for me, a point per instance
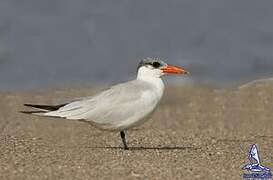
(174, 70)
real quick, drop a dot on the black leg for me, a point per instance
(122, 135)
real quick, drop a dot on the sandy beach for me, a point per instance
(196, 133)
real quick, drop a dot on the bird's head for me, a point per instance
(155, 67)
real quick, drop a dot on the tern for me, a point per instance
(120, 107)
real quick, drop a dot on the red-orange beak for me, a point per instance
(174, 70)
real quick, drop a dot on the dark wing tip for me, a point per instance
(46, 107)
(31, 112)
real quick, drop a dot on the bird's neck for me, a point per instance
(154, 81)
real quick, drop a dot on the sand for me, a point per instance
(196, 133)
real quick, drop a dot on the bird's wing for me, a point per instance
(254, 155)
(104, 104)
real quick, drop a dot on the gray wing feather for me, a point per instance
(104, 104)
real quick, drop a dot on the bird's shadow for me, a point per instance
(140, 148)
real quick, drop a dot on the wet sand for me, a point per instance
(196, 133)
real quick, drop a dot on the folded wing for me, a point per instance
(109, 103)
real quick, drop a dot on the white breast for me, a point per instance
(145, 108)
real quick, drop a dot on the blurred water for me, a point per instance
(55, 42)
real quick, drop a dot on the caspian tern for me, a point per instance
(122, 106)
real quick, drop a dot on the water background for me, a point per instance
(66, 42)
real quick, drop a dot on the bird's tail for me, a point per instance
(44, 108)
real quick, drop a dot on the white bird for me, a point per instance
(122, 106)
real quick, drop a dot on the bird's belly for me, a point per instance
(127, 116)
(124, 124)
(136, 121)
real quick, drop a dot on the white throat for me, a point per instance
(145, 72)
(153, 77)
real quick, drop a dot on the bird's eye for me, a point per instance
(156, 64)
